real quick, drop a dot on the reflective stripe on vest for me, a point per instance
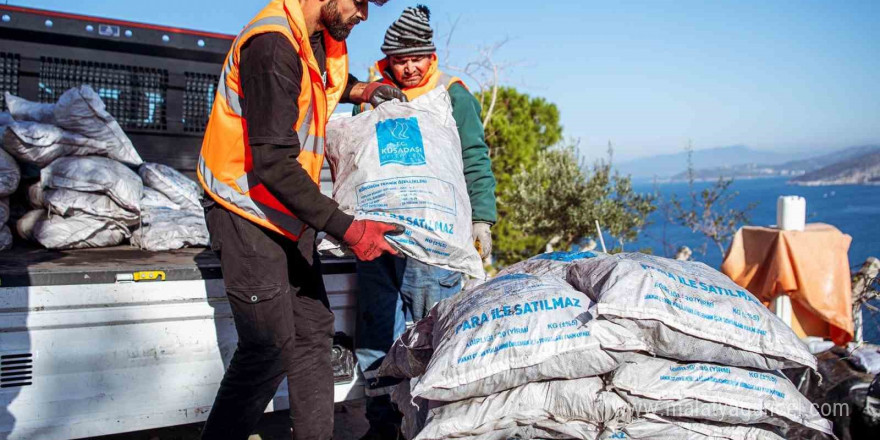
(314, 144)
(246, 203)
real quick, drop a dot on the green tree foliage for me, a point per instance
(520, 128)
(560, 202)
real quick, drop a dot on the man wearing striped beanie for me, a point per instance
(394, 290)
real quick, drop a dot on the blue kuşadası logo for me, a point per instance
(400, 142)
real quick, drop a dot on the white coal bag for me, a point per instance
(549, 264)
(10, 174)
(25, 225)
(98, 175)
(653, 427)
(40, 144)
(81, 111)
(172, 184)
(579, 400)
(35, 196)
(411, 352)
(689, 311)
(541, 430)
(79, 232)
(166, 229)
(68, 203)
(23, 110)
(4, 210)
(414, 410)
(153, 199)
(5, 238)
(514, 330)
(714, 392)
(401, 163)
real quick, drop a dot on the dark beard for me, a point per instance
(333, 22)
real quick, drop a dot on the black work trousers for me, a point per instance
(284, 326)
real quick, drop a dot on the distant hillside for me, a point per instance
(859, 170)
(793, 168)
(668, 165)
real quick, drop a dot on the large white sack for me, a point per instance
(514, 330)
(549, 264)
(688, 311)
(40, 144)
(81, 111)
(98, 175)
(166, 229)
(411, 352)
(172, 184)
(23, 110)
(414, 410)
(715, 393)
(542, 430)
(401, 163)
(5, 238)
(68, 203)
(79, 232)
(35, 195)
(153, 199)
(5, 120)
(26, 224)
(10, 174)
(653, 427)
(562, 401)
(4, 210)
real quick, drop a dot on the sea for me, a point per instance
(854, 209)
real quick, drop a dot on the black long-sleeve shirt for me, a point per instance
(271, 74)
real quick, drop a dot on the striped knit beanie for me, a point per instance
(411, 34)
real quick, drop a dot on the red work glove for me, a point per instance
(366, 238)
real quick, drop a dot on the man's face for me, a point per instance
(409, 70)
(339, 17)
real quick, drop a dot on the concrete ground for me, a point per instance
(349, 424)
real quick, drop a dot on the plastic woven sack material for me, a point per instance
(35, 196)
(40, 144)
(716, 393)
(549, 264)
(542, 430)
(6, 119)
(26, 224)
(658, 428)
(4, 210)
(165, 230)
(401, 163)
(866, 359)
(81, 111)
(414, 410)
(514, 330)
(10, 174)
(172, 184)
(5, 238)
(79, 232)
(411, 352)
(689, 311)
(27, 111)
(581, 400)
(153, 199)
(68, 203)
(97, 175)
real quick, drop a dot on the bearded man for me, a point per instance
(260, 165)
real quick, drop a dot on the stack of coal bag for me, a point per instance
(89, 193)
(590, 345)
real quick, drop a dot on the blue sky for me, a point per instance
(648, 75)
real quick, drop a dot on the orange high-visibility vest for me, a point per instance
(225, 165)
(433, 78)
